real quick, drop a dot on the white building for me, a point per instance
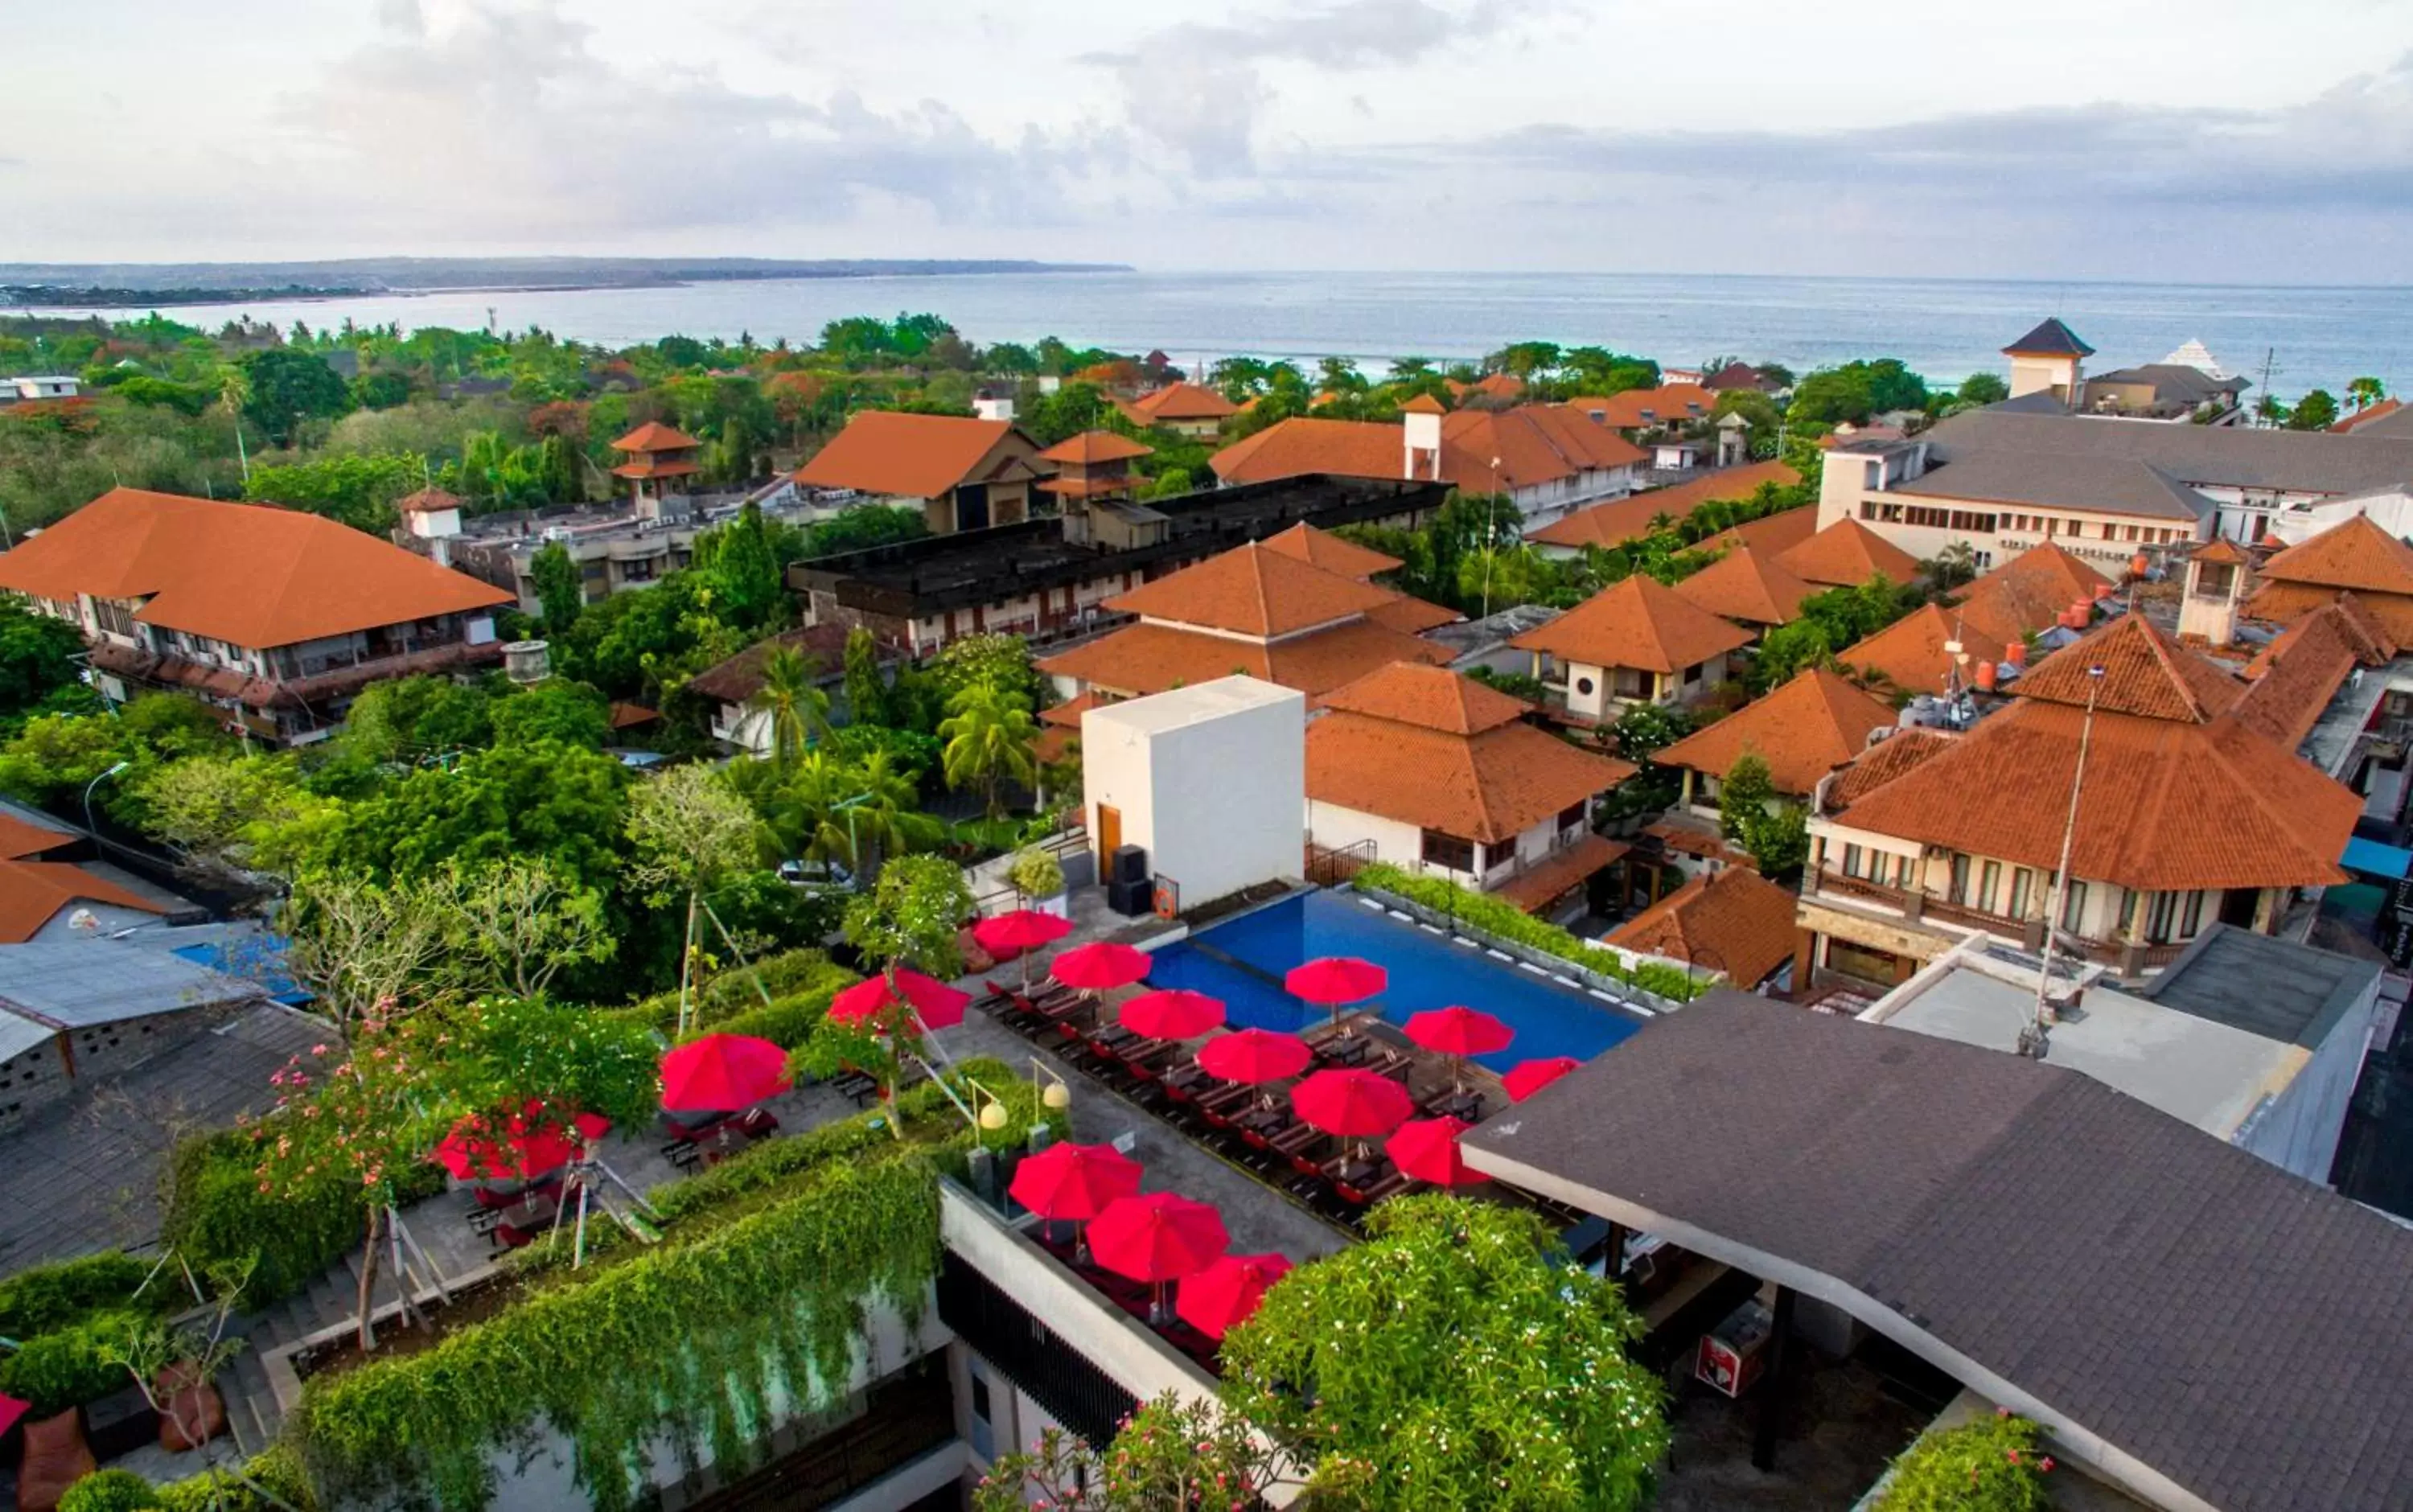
(1209, 780)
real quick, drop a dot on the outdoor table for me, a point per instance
(1466, 1107)
(1346, 1050)
(521, 1224)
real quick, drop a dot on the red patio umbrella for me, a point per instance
(1254, 1054)
(1427, 1151)
(12, 1408)
(1160, 1238)
(1458, 1032)
(1172, 1013)
(936, 1004)
(1530, 1076)
(1352, 1103)
(1019, 933)
(1221, 1297)
(1331, 981)
(1098, 965)
(1074, 1181)
(722, 1072)
(515, 1149)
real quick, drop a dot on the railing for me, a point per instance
(1861, 887)
(1330, 866)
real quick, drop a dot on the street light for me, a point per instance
(90, 828)
(2033, 1034)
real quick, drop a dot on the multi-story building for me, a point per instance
(274, 615)
(964, 474)
(1187, 409)
(1427, 769)
(1636, 642)
(2192, 807)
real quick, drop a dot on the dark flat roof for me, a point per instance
(2276, 989)
(932, 575)
(2244, 1334)
(2221, 455)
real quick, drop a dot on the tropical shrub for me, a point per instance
(1994, 1464)
(70, 1366)
(218, 1212)
(1508, 922)
(56, 1296)
(109, 1491)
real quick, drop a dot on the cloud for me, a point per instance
(1200, 87)
(508, 114)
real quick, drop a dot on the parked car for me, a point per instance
(820, 876)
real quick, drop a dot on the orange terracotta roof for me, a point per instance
(1183, 401)
(653, 435)
(1090, 448)
(648, 466)
(2284, 603)
(904, 456)
(1667, 404)
(1531, 446)
(2298, 674)
(2220, 551)
(1637, 623)
(32, 893)
(1560, 873)
(2386, 406)
(1067, 715)
(2168, 805)
(249, 574)
(1909, 654)
(1846, 554)
(629, 715)
(1748, 587)
(1095, 486)
(1432, 698)
(2352, 621)
(1803, 731)
(1330, 552)
(2145, 673)
(1423, 404)
(1148, 659)
(1053, 743)
(19, 839)
(1251, 591)
(1622, 520)
(2039, 583)
(1411, 616)
(429, 500)
(1490, 787)
(1491, 386)
(2356, 553)
(1736, 922)
(1880, 763)
(1774, 534)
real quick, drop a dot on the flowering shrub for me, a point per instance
(1994, 1464)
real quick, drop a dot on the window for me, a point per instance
(1990, 879)
(2073, 905)
(2051, 525)
(1448, 851)
(2194, 920)
(1584, 686)
(1851, 860)
(2161, 917)
(2023, 883)
(1629, 682)
(1957, 890)
(112, 616)
(1692, 675)
(1901, 865)
(1572, 816)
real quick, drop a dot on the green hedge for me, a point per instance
(110, 1491)
(1508, 922)
(54, 1295)
(275, 1468)
(218, 1213)
(67, 1367)
(795, 973)
(1994, 1464)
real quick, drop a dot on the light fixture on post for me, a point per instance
(990, 1116)
(1055, 1094)
(2037, 1031)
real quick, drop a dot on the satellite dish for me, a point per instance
(84, 921)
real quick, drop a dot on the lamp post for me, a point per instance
(90, 828)
(2039, 1025)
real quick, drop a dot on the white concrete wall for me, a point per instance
(1211, 781)
(1334, 827)
(2299, 1128)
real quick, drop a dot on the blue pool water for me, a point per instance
(1242, 961)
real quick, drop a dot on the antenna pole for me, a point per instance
(2032, 1034)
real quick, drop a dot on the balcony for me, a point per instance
(2127, 957)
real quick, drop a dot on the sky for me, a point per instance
(2203, 140)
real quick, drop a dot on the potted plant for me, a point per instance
(1038, 877)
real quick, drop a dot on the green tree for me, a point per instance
(911, 916)
(349, 489)
(2364, 393)
(791, 700)
(1743, 795)
(540, 800)
(1172, 1454)
(1035, 873)
(1983, 389)
(989, 736)
(866, 691)
(743, 562)
(413, 719)
(556, 709)
(689, 829)
(2315, 411)
(284, 387)
(992, 660)
(1779, 841)
(229, 811)
(560, 588)
(38, 656)
(1478, 1371)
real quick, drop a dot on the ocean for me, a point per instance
(2311, 337)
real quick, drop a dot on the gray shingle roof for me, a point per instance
(2051, 338)
(2310, 461)
(74, 983)
(2277, 988)
(2173, 382)
(2045, 479)
(2246, 1334)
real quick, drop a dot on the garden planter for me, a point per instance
(56, 1456)
(119, 1423)
(194, 1412)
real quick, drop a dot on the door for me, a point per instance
(971, 506)
(2236, 906)
(1110, 836)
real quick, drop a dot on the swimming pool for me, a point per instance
(1242, 961)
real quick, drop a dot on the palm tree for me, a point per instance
(797, 708)
(882, 815)
(989, 735)
(2365, 392)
